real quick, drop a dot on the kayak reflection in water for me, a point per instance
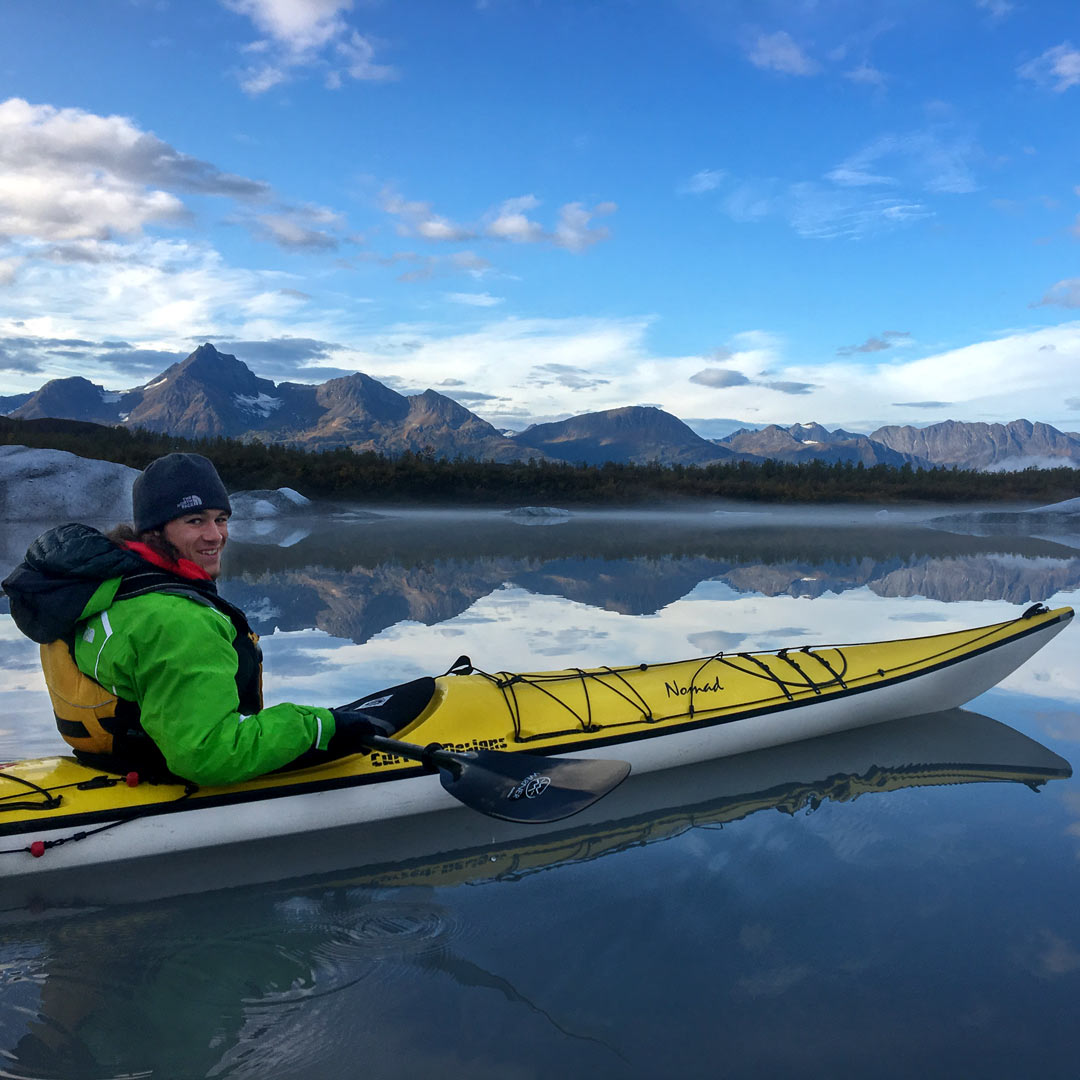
(148, 667)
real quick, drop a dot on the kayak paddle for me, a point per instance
(515, 787)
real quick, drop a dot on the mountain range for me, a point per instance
(214, 394)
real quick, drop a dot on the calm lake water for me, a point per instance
(897, 901)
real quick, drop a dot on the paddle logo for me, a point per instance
(533, 785)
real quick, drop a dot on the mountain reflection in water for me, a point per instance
(354, 582)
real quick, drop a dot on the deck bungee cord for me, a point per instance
(52, 801)
(49, 800)
(507, 682)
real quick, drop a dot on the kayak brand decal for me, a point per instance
(673, 689)
(375, 702)
(380, 758)
(532, 786)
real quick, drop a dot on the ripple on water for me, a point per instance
(241, 985)
(286, 1028)
(309, 948)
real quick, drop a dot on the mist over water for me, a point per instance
(910, 908)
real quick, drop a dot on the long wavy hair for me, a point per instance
(154, 539)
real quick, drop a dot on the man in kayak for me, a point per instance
(147, 666)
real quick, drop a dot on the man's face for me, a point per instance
(200, 536)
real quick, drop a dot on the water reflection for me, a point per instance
(355, 580)
(259, 981)
(355, 583)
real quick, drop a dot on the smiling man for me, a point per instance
(148, 668)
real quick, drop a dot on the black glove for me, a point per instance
(350, 726)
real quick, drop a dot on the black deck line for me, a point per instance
(178, 805)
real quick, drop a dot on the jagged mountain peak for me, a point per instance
(361, 395)
(434, 404)
(812, 432)
(74, 398)
(207, 365)
(982, 445)
(803, 442)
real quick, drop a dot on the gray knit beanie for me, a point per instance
(175, 485)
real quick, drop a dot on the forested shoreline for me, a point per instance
(346, 475)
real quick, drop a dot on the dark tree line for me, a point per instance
(423, 477)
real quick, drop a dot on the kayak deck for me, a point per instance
(556, 709)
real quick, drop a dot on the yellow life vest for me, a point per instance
(88, 716)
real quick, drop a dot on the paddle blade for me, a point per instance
(527, 788)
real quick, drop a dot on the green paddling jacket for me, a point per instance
(169, 646)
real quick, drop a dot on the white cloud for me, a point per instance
(306, 33)
(533, 366)
(358, 56)
(1065, 293)
(508, 221)
(71, 181)
(257, 80)
(867, 75)
(75, 142)
(1057, 69)
(996, 9)
(424, 267)
(470, 263)
(753, 200)
(152, 292)
(512, 223)
(418, 219)
(552, 367)
(1006, 378)
(50, 207)
(934, 159)
(474, 299)
(703, 181)
(574, 233)
(779, 52)
(71, 175)
(876, 189)
(719, 378)
(295, 234)
(8, 269)
(302, 25)
(876, 343)
(817, 212)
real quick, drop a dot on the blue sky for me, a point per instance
(857, 213)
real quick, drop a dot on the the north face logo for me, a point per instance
(188, 502)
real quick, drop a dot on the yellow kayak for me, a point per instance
(57, 814)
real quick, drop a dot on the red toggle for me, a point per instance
(37, 848)
(132, 779)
